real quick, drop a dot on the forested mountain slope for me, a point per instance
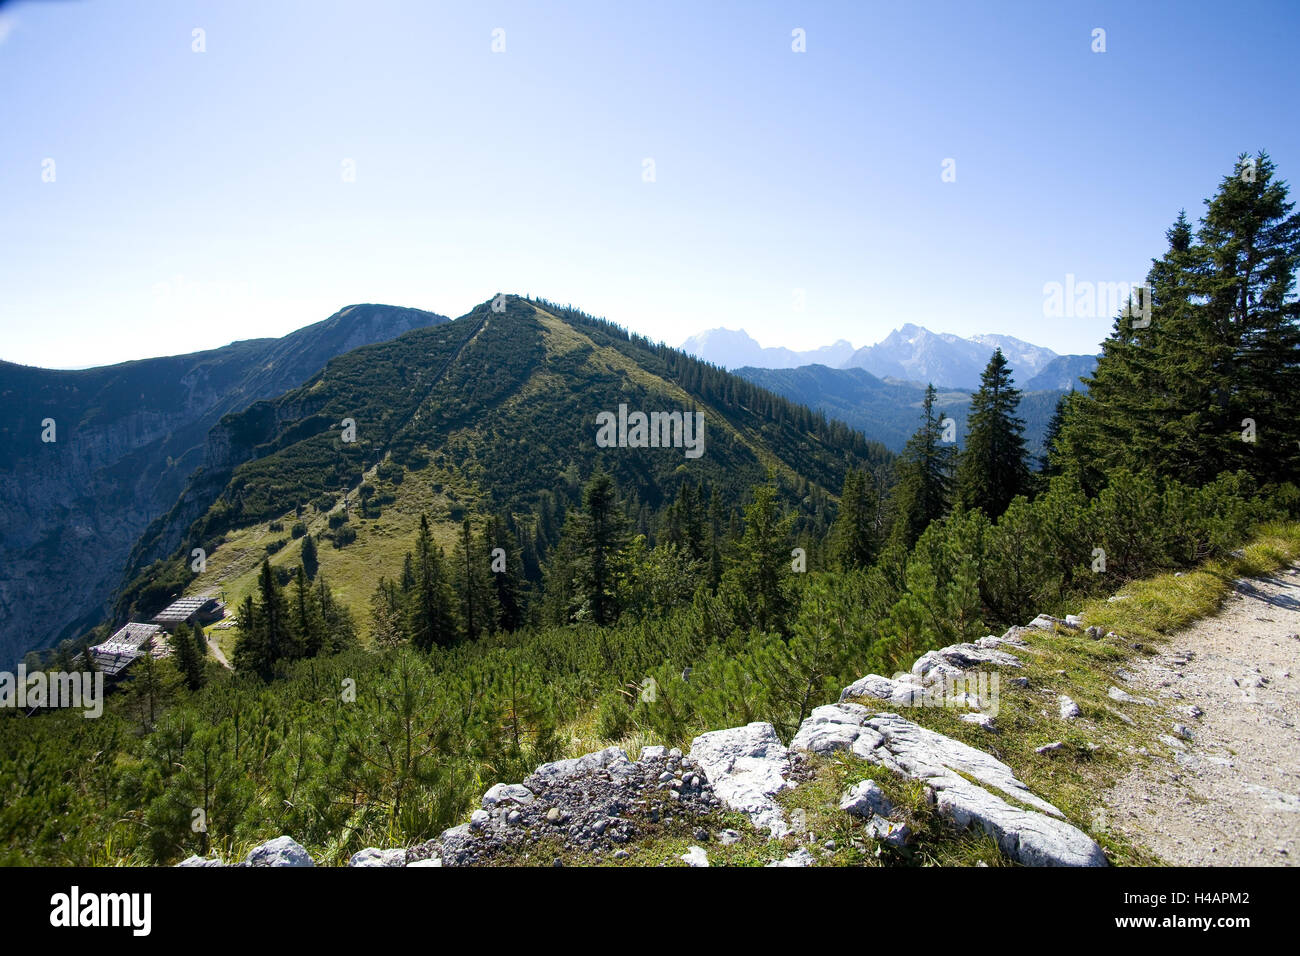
(492, 414)
(126, 437)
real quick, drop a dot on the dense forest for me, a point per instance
(639, 608)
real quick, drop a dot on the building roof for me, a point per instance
(133, 635)
(127, 644)
(183, 609)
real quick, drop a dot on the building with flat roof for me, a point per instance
(189, 610)
(127, 645)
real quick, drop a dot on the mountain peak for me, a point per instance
(738, 349)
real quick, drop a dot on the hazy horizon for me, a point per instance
(677, 345)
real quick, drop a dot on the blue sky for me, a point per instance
(199, 198)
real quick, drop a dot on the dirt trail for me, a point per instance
(215, 648)
(1228, 792)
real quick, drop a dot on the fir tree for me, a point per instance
(310, 559)
(507, 583)
(1212, 384)
(308, 625)
(186, 655)
(992, 468)
(601, 531)
(924, 477)
(853, 535)
(758, 579)
(1049, 459)
(478, 605)
(430, 619)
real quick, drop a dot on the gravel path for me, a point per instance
(1224, 788)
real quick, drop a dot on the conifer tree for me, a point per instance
(408, 574)
(310, 559)
(266, 634)
(1212, 384)
(1049, 458)
(339, 629)
(758, 578)
(601, 530)
(992, 468)
(478, 605)
(924, 477)
(714, 571)
(386, 619)
(853, 535)
(186, 655)
(507, 584)
(274, 611)
(1250, 241)
(307, 622)
(431, 621)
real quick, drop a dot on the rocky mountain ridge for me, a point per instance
(910, 353)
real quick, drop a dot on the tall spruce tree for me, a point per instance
(853, 542)
(1049, 459)
(338, 626)
(430, 618)
(992, 468)
(266, 629)
(308, 626)
(757, 581)
(601, 537)
(924, 477)
(506, 573)
(310, 558)
(478, 604)
(187, 657)
(1250, 241)
(1212, 384)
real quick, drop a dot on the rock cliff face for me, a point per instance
(126, 438)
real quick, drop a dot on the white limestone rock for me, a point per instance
(1069, 709)
(746, 766)
(866, 799)
(695, 856)
(1114, 693)
(1014, 637)
(1037, 836)
(982, 721)
(282, 851)
(899, 693)
(952, 660)
(507, 793)
(800, 857)
(888, 832)
(372, 856)
(837, 727)
(549, 774)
